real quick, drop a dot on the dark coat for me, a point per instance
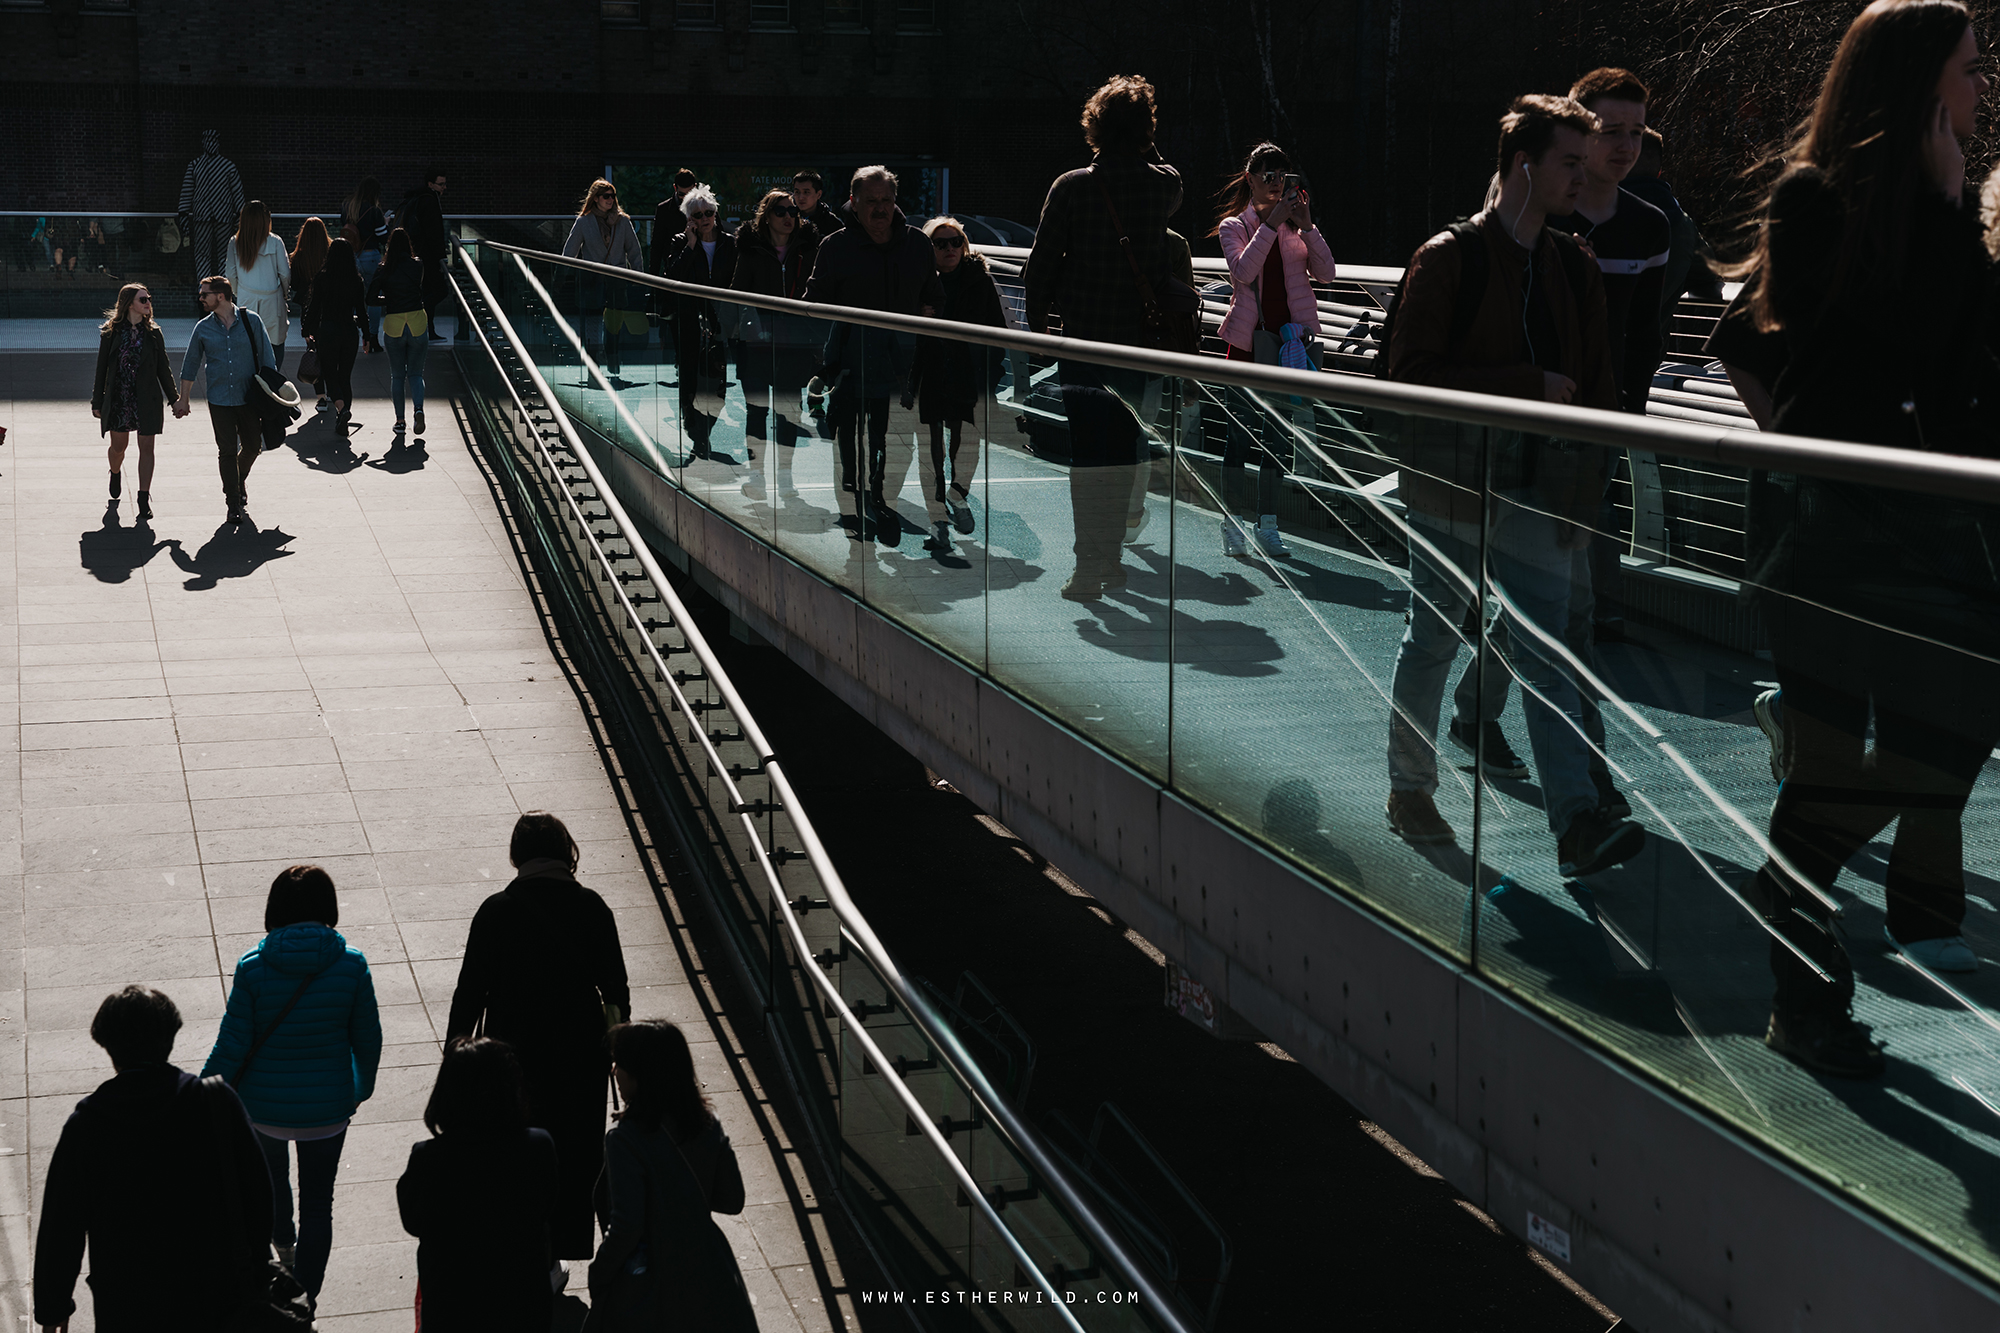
(950, 378)
(690, 263)
(826, 221)
(1915, 562)
(757, 266)
(790, 336)
(1077, 268)
(479, 1207)
(398, 287)
(338, 308)
(541, 961)
(851, 270)
(423, 219)
(136, 1171)
(153, 368)
(668, 223)
(655, 1197)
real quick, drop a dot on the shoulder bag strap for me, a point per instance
(257, 1044)
(1125, 243)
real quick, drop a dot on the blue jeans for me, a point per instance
(1529, 573)
(319, 1159)
(406, 366)
(368, 261)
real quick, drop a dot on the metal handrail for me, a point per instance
(1950, 475)
(854, 925)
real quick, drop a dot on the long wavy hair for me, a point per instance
(122, 311)
(253, 228)
(1237, 191)
(587, 207)
(1865, 137)
(665, 1094)
(309, 252)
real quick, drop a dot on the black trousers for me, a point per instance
(1936, 720)
(337, 350)
(850, 407)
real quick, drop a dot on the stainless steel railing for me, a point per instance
(855, 928)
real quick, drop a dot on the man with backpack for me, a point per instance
(1504, 304)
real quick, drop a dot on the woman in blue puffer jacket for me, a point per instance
(300, 1042)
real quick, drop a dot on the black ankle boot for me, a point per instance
(117, 483)
(145, 504)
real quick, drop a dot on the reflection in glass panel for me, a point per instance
(1315, 625)
(1799, 734)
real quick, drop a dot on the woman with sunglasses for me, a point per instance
(775, 355)
(604, 234)
(1274, 251)
(703, 255)
(949, 380)
(131, 358)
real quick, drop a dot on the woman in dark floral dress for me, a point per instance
(131, 359)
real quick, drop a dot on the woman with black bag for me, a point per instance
(131, 358)
(334, 321)
(544, 973)
(300, 1042)
(776, 353)
(664, 1264)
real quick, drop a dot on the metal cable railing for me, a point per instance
(634, 578)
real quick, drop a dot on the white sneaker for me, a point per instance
(940, 541)
(1134, 527)
(1947, 955)
(1233, 541)
(1270, 540)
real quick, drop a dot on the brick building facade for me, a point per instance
(1389, 105)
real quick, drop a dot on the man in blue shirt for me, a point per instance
(233, 344)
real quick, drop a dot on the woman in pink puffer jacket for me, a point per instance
(1274, 250)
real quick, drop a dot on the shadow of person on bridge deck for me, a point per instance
(234, 552)
(111, 553)
(323, 446)
(403, 456)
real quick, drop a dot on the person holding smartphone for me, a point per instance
(1264, 222)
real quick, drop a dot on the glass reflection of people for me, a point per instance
(1880, 605)
(1537, 333)
(775, 251)
(949, 381)
(603, 234)
(1079, 271)
(705, 256)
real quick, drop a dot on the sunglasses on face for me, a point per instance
(784, 211)
(607, 198)
(142, 300)
(947, 242)
(701, 213)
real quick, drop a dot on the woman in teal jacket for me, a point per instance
(300, 1042)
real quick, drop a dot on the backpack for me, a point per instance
(1474, 265)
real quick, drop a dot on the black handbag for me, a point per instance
(1170, 315)
(272, 410)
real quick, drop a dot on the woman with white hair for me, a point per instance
(705, 256)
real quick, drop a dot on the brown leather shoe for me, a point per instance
(1414, 817)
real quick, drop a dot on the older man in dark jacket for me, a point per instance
(1079, 272)
(161, 1174)
(876, 261)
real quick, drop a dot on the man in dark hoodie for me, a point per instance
(876, 261)
(163, 1176)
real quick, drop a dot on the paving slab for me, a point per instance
(357, 678)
